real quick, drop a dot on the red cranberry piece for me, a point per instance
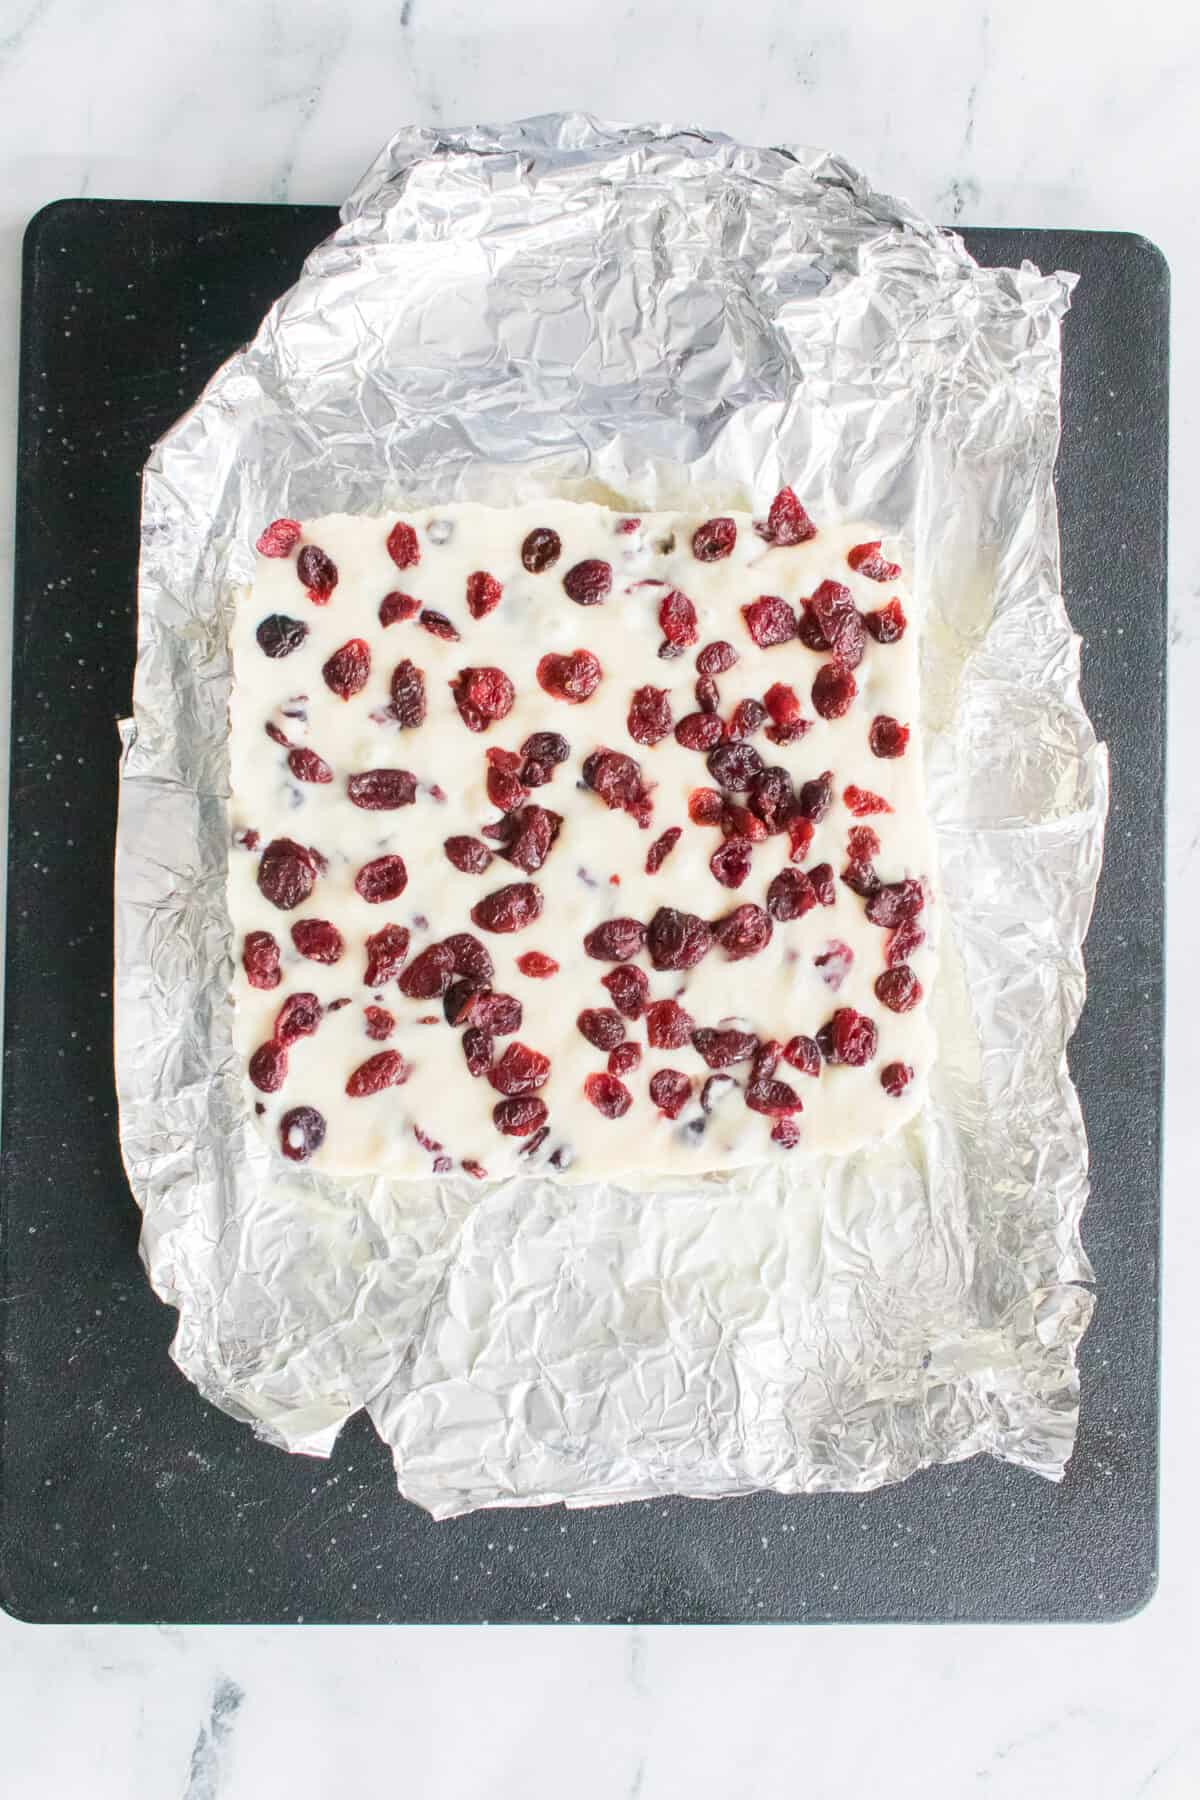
(301, 1133)
(771, 798)
(898, 989)
(708, 694)
(549, 747)
(260, 960)
(318, 940)
(730, 864)
(855, 1038)
(280, 538)
(740, 822)
(499, 1014)
(782, 703)
(822, 884)
(841, 626)
(426, 1142)
(788, 734)
(386, 951)
(743, 932)
(394, 608)
(477, 1049)
(790, 895)
(895, 901)
(458, 1003)
(608, 1095)
(509, 908)
(469, 957)
(572, 678)
(474, 1168)
(380, 1023)
(615, 940)
(787, 522)
(677, 940)
(895, 1077)
(770, 621)
(628, 986)
(601, 1026)
(677, 619)
(537, 829)
(803, 1054)
(428, 975)
(699, 731)
(268, 1067)
(862, 841)
(661, 848)
(713, 541)
(670, 1091)
(816, 797)
(482, 696)
(623, 1059)
(705, 806)
(721, 1048)
(387, 1068)
(716, 1089)
(668, 1025)
(862, 802)
(541, 550)
(318, 573)
(537, 966)
(734, 766)
(298, 1017)
(467, 854)
(774, 1098)
(716, 658)
(649, 715)
(888, 737)
(860, 877)
(808, 629)
(518, 1118)
(748, 717)
(786, 1132)
(615, 777)
(403, 546)
(286, 873)
(382, 790)
(832, 691)
(278, 635)
(382, 880)
(887, 623)
(408, 695)
(834, 963)
(275, 734)
(588, 583)
(900, 943)
(505, 790)
(800, 837)
(347, 670)
(306, 765)
(865, 559)
(520, 1070)
(247, 839)
(438, 626)
(483, 594)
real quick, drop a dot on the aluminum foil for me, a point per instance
(649, 313)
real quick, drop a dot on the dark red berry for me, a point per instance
(510, 908)
(394, 608)
(839, 622)
(280, 538)
(572, 678)
(382, 790)
(649, 718)
(268, 1067)
(823, 887)
(721, 1048)
(601, 1026)
(458, 1003)
(787, 1132)
(541, 550)
(548, 747)
(301, 1133)
(895, 1077)
(520, 1070)
(888, 737)
(536, 965)
(499, 1014)
(862, 802)
(628, 986)
(713, 540)
(783, 703)
(477, 1049)
(900, 943)
(734, 766)
(816, 797)
(668, 1025)
(832, 691)
(347, 670)
(520, 1117)
(677, 619)
(616, 940)
(770, 621)
(467, 854)
(708, 694)
(317, 572)
(298, 1017)
(670, 1091)
(743, 932)
(380, 1023)
(403, 546)
(286, 873)
(854, 1037)
(661, 848)
(887, 623)
(615, 778)
(279, 636)
(469, 956)
(408, 695)
(771, 798)
(624, 1058)
(588, 583)
(739, 821)
(834, 963)
(705, 806)
(248, 840)
(483, 594)
(537, 828)
(800, 837)
(699, 731)
(474, 1168)
(505, 790)
(865, 559)
(387, 1068)
(774, 1098)
(860, 877)
(898, 988)
(748, 717)
(730, 864)
(715, 658)
(382, 880)
(677, 940)
(318, 940)
(386, 951)
(787, 522)
(260, 960)
(482, 696)
(439, 626)
(276, 734)
(895, 901)
(428, 975)
(790, 895)
(803, 1054)
(608, 1095)
(306, 765)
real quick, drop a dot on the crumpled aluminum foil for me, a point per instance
(647, 312)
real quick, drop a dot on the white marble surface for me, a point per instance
(1066, 114)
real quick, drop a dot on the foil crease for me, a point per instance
(649, 313)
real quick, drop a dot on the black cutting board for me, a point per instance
(125, 1496)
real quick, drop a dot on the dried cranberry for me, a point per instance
(268, 1067)
(748, 717)
(541, 550)
(774, 1098)
(730, 864)
(317, 572)
(734, 766)
(834, 963)
(428, 975)
(894, 901)
(279, 538)
(505, 790)
(348, 669)
(888, 737)
(536, 965)
(624, 1058)
(615, 778)
(248, 840)
(649, 717)
(782, 703)
(403, 546)
(862, 802)
(788, 734)
(509, 908)
(803, 1054)
(499, 1014)
(809, 631)
(699, 731)
(588, 583)
(468, 956)
(800, 837)
(770, 621)
(860, 877)
(887, 623)
(572, 678)
(716, 1089)
(279, 636)
(670, 1091)
(628, 986)
(705, 806)
(394, 608)
(708, 694)
(387, 1068)
(458, 1002)
(426, 1142)
(668, 1025)
(318, 940)
(301, 1133)
(786, 1131)
(260, 960)
(286, 873)
(298, 1017)
(306, 765)
(821, 877)
(483, 594)
(439, 626)
(482, 696)
(408, 695)
(477, 1049)
(787, 522)
(615, 940)
(549, 747)
(739, 821)
(517, 1118)
(865, 559)
(677, 940)
(721, 1048)
(537, 829)
(816, 797)
(743, 932)
(386, 951)
(382, 790)
(713, 541)
(716, 658)
(894, 1078)
(771, 798)
(862, 841)
(661, 848)
(790, 895)
(381, 880)
(898, 989)
(608, 1095)
(677, 619)
(276, 735)
(840, 624)
(520, 1070)
(832, 691)
(854, 1037)
(380, 1022)
(474, 1168)
(467, 854)
(601, 1026)
(900, 943)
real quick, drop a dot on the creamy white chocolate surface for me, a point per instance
(596, 868)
